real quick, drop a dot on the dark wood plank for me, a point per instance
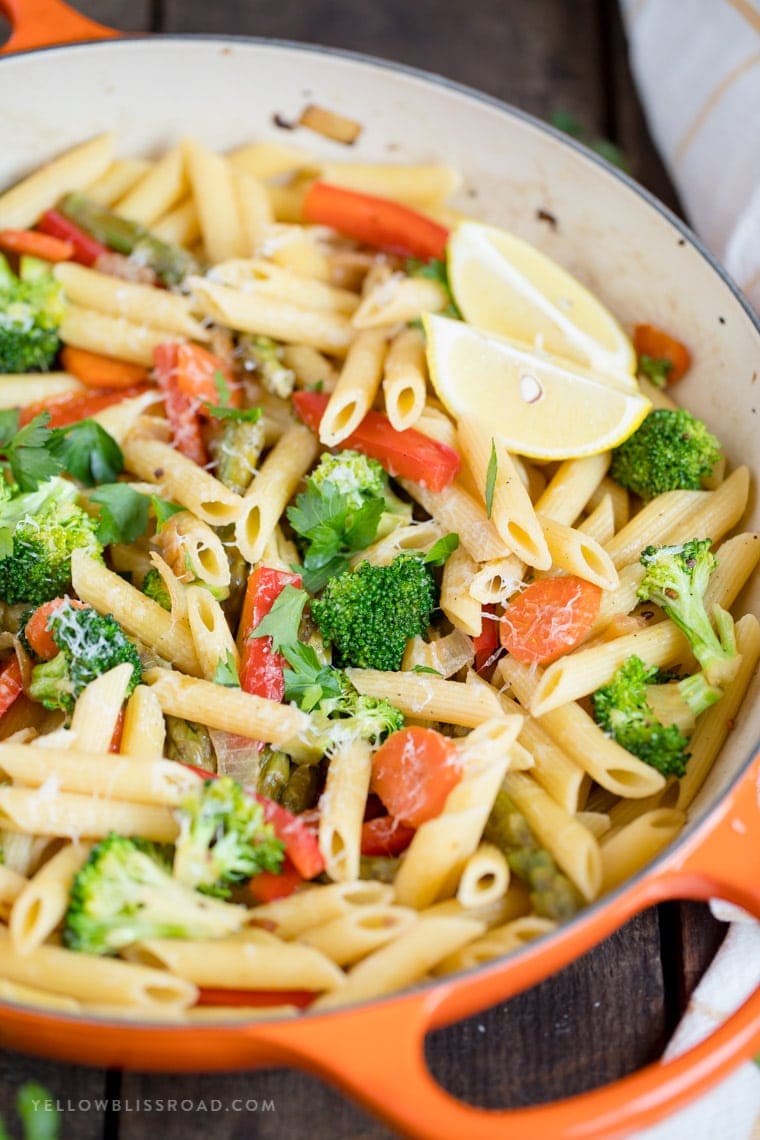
(125, 15)
(701, 936)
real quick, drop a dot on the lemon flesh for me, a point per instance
(537, 405)
(505, 286)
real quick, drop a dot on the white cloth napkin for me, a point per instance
(697, 67)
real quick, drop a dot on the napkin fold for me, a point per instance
(697, 68)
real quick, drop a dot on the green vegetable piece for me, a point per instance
(37, 1112)
(670, 451)
(123, 513)
(189, 743)
(31, 311)
(87, 452)
(273, 775)
(302, 789)
(226, 672)
(153, 587)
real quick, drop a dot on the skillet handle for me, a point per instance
(377, 1054)
(45, 23)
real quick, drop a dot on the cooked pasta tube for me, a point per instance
(341, 809)
(180, 226)
(458, 513)
(714, 725)
(255, 275)
(580, 673)
(219, 707)
(182, 480)
(577, 553)
(513, 904)
(141, 304)
(356, 388)
(144, 729)
(272, 316)
(121, 418)
(573, 847)
(717, 514)
(98, 708)
(254, 209)
(405, 960)
(352, 936)
(240, 965)
(599, 822)
(511, 510)
(460, 607)
(31, 995)
(23, 853)
(446, 655)
(174, 588)
(11, 886)
(625, 811)
(310, 366)
(215, 199)
(272, 488)
(497, 579)
(319, 905)
(18, 389)
(485, 877)
(434, 422)
(405, 379)
(211, 633)
(119, 177)
(194, 551)
(161, 186)
(620, 499)
(399, 299)
(111, 336)
(496, 943)
(108, 774)
(574, 731)
(71, 816)
(41, 905)
(416, 537)
(736, 558)
(624, 851)
(425, 697)
(22, 205)
(139, 615)
(621, 600)
(571, 486)
(600, 524)
(415, 185)
(441, 846)
(86, 977)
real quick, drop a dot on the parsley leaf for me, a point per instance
(435, 270)
(441, 550)
(226, 672)
(163, 510)
(283, 620)
(233, 415)
(87, 452)
(334, 529)
(123, 513)
(308, 682)
(655, 368)
(27, 451)
(222, 387)
(491, 473)
(426, 669)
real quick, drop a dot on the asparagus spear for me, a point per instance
(551, 893)
(189, 743)
(169, 262)
(273, 775)
(300, 794)
(263, 356)
(384, 868)
(237, 451)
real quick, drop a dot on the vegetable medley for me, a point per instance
(374, 687)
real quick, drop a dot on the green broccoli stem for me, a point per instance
(171, 263)
(551, 893)
(681, 702)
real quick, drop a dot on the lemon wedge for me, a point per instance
(538, 405)
(505, 286)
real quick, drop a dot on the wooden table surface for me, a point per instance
(612, 1011)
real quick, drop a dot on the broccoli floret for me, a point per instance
(223, 838)
(671, 451)
(359, 479)
(38, 532)
(89, 644)
(370, 613)
(675, 578)
(650, 719)
(153, 587)
(125, 892)
(31, 311)
(353, 716)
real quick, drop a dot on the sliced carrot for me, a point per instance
(549, 618)
(38, 636)
(34, 244)
(75, 406)
(650, 341)
(98, 371)
(201, 375)
(413, 772)
(379, 222)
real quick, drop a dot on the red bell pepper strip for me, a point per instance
(270, 885)
(261, 670)
(211, 996)
(75, 406)
(181, 409)
(486, 644)
(378, 222)
(35, 244)
(408, 454)
(86, 250)
(11, 684)
(384, 835)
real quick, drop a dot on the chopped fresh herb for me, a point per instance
(655, 368)
(226, 672)
(123, 513)
(233, 415)
(491, 473)
(26, 451)
(426, 669)
(284, 619)
(334, 527)
(222, 388)
(435, 270)
(441, 550)
(163, 510)
(308, 682)
(86, 451)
